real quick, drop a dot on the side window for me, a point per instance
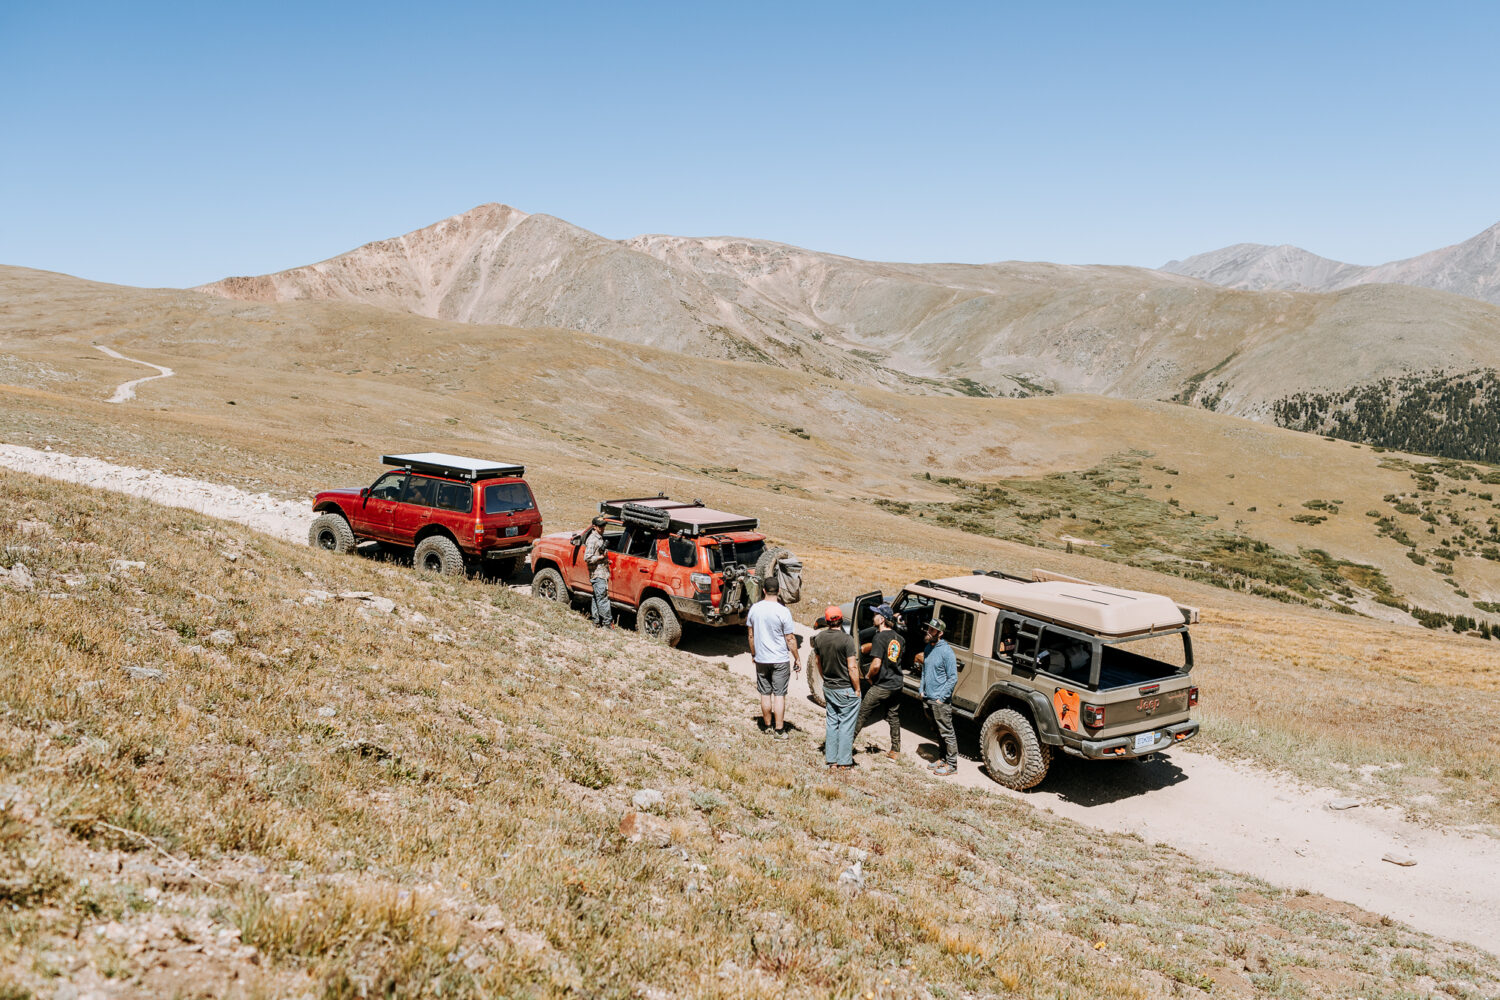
(1067, 657)
(419, 491)
(959, 624)
(388, 486)
(641, 543)
(612, 535)
(455, 496)
(684, 551)
(1008, 639)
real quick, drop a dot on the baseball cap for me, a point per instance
(884, 611)
(833, 613)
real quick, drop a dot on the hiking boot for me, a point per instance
(893, 754)
(944, 769)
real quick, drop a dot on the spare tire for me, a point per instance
(642, 516)
(765, 566)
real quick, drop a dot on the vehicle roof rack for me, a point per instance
(454, 466)
(689, 518)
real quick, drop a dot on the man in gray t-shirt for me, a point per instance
(774, 651)
(596, 558)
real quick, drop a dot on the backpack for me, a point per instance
(789, 578)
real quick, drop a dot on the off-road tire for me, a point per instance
(549, 586)
(658, 622)
(766, 564)
(438, 554)
(1012, 753)
(331, 532)
(815, 685)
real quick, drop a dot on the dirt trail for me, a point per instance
(1223, 814)
(126, 390)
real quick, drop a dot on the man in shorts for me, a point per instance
(774, 650)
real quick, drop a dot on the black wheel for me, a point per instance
(438, 554)
(658, 622)
(548, 585)
(331, 532)
(1013, 754)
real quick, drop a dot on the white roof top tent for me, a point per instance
(1088, 607)
(454, 466)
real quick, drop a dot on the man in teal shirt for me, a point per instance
(939, 677)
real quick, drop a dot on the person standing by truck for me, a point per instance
(772, 647)
(838, 659)
(939, 677)
(596, 557)
(883, 682)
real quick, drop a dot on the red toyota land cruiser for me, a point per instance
(453, 511)
(669, 563)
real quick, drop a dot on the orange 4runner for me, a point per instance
(454, 513)
(669, 563)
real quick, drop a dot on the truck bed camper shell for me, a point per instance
(1091, 607)
(691, 519)
(437, 463)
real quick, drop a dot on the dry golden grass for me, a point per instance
(428, 803)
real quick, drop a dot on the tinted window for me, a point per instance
(684, 551)
(960, 626)
(455, 496)
(506, 498)
(420, 491)
(1067, 657)
(747, 554)
(388, 486)
(641, 542)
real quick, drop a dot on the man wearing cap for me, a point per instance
(596, 558)
(939, 676)
(773, 648)
(883, 682)
(838, 656)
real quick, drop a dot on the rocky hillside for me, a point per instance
(1009, 329)
(1470, 268)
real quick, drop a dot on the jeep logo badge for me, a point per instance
(1148, 706)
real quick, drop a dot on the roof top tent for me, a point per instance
(1105, 611)
(690, 519)
(454, 466)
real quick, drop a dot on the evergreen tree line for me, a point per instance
(1430, 413)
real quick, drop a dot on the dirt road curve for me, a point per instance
(126, 390)
(1226, 815)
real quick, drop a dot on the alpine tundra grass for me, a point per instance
(228, 770)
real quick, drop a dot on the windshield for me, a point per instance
(506, 498)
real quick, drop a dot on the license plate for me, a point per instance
(1144, 741)
(512, 530)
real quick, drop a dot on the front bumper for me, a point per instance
(1124, 746)
(691, 609)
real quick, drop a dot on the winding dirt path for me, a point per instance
(1223, 814)
(126, 390)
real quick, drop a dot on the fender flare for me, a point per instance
(1040, 708)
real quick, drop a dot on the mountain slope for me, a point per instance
(1470, 268)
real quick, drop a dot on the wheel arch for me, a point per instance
(332, 507)
(435, 529)
(1031, 704)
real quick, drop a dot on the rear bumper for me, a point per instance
(691, 609)
(1124, 746)
(515, 551)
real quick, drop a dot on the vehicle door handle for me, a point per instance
(643, 569)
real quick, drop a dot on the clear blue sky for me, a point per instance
(171, 144)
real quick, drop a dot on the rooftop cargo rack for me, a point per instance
(691, 519)
(453, 466)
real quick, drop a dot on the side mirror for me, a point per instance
(364, 493)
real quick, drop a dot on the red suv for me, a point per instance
(669, 563)
(454, 512)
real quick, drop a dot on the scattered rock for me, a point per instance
(34, 528)
(258, 658)
(328, 711)
(356, 595)
(19, 577)
(853, 877)
(637, 827)
(646, 798)
(382, 604)
(316, 597)
(1400, 859)
(231, 556)
(443, 637)
(1338, 805)
(122, 565)
(222, 637)
(74, 579)
(144, 673)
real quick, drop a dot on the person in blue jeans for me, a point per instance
(939, 677)
(596, 558)
(838, 654)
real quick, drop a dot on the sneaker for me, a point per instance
(893, 754)
(934, 765)
(945, 770)
(778, 734)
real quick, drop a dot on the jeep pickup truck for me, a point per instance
(454, 513)
(1052, 663)
(670, 563)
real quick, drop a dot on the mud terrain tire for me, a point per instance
(658, 622)
(815, 685)
(548, 585)
(438, 554)
(331, 532)
(1012, 753)
(766, 564)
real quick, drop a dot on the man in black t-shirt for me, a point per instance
(883, 680)
(838, 659)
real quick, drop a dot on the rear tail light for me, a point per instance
(1192, 697)
(1093, 716)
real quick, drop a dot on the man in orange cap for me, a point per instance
(838, 656)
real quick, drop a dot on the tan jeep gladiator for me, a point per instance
(1053, 662)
